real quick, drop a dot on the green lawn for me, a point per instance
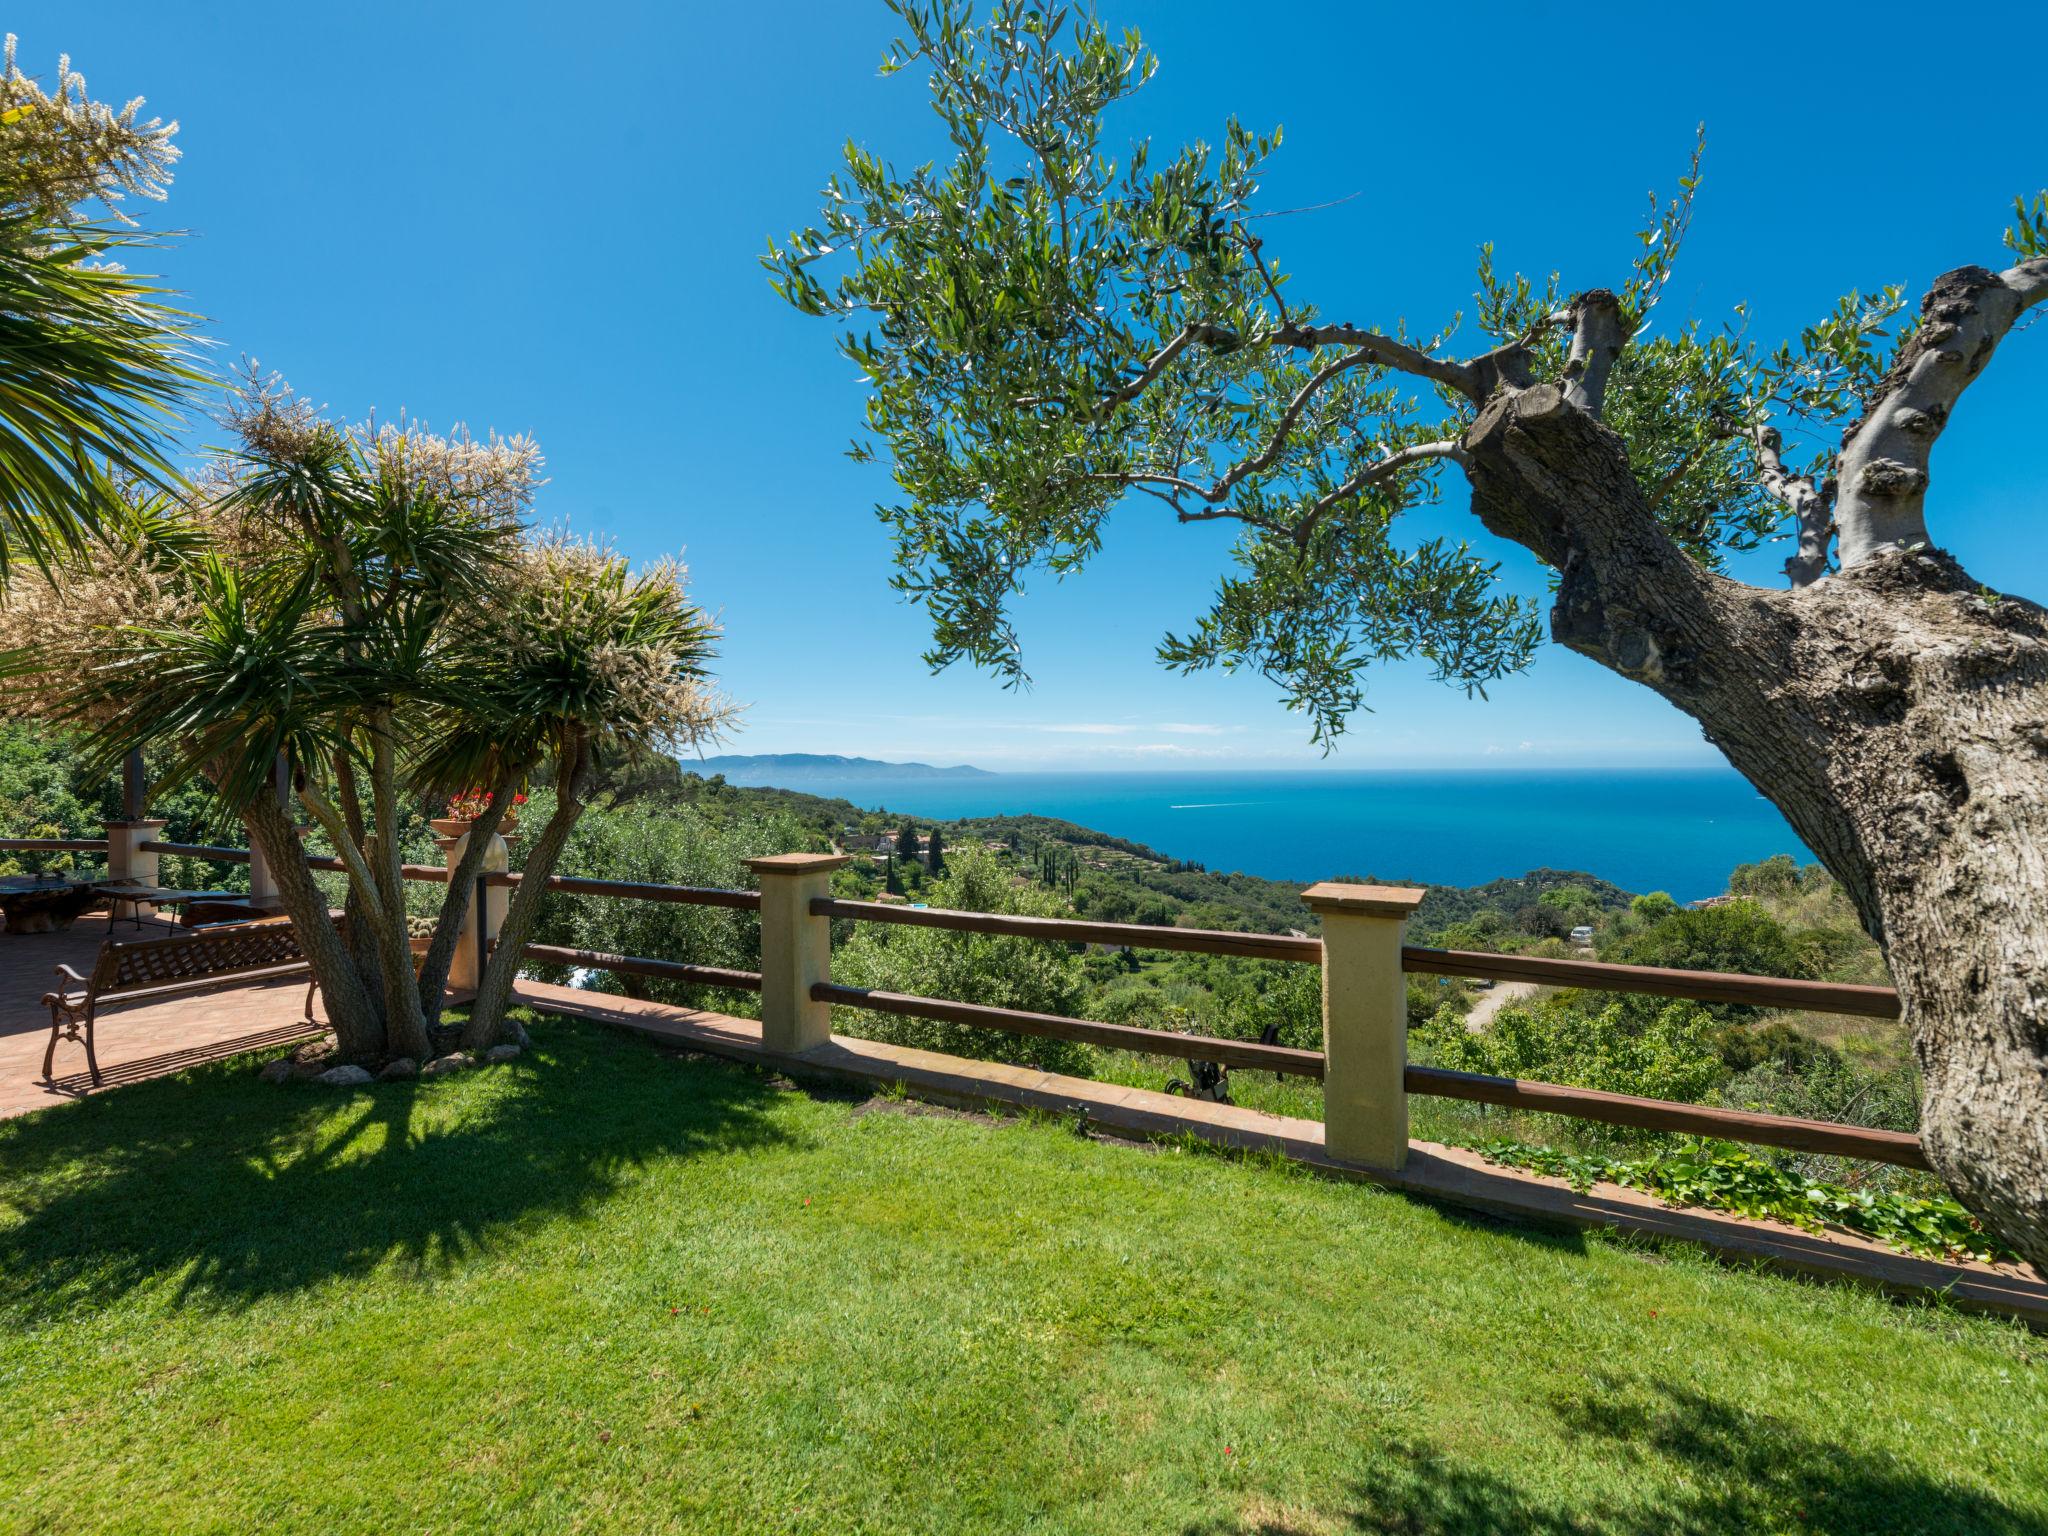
(605, 1289)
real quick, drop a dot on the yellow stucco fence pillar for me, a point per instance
(1365, 1020)
(126, 859)
(796, 948)
(487, 908)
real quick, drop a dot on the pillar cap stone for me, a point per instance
(798, 863)
(1369, 900)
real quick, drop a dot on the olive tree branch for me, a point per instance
(1598, 334)
(1386, 352)
(1276, 442)
(1473, 380)
(1885, 455)
(1255, 247)
(1373, 474)
(1810, 505)
(1299, 529)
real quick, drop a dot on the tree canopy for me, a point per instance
(1049, 324)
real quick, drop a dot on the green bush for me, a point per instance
(1736, 936)
(1668, 1053)
(1488, 930)
(1776, 1044)
(1573, 905)
(668, 846)
(1653, 907)
(1830, 1087)
(1292, 1003)
(1722, 1177)
(1000, 972)
(47, 789)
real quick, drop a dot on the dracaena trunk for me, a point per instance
(353, 1011)
(405, 1022)
(487, 1022)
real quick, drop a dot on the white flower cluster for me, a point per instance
(61, 150)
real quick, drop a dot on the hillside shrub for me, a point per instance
(996, 971)
(1668, 1053)
(1723, 1177)
(666, 846)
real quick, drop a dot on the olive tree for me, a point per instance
(1048, 328)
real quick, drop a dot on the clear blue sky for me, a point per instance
(546, 219)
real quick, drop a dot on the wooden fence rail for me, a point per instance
(1700, 986)
(1345, 908)
(1122, 1037)
(201, 851)
(1786, 1131)
(639, 965)
(633, 890)
(1066, 930)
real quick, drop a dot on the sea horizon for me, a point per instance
(1680, 830)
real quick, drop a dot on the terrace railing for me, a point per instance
(53, 845)
(1363, 955)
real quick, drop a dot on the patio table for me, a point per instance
(46, 903)
(139, 894)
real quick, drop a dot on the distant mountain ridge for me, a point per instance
(785, 769)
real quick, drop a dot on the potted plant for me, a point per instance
(465, 809)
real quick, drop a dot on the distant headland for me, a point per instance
(786, 769)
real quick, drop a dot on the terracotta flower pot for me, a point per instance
(454, 828)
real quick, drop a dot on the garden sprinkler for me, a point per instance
(1212, 1082)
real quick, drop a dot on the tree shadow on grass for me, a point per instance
(1708, 1468)
(229, 1189)
(1522, 1229)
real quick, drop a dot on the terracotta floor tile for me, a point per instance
(136, 1041)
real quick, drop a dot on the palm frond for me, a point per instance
(241, 679)
(95, 365)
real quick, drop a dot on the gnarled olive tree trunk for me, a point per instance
(1896, 712)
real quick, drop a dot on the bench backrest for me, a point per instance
(227, 950)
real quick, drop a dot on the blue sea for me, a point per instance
(1675, 830)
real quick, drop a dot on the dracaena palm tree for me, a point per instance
(589, 663)
(94, 359)
(368, 605)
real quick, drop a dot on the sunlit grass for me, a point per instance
(606, 1289)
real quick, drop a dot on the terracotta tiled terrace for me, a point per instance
(135, 1041)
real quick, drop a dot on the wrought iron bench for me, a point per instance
(142, 970)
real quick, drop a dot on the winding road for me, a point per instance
(1495, 998)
